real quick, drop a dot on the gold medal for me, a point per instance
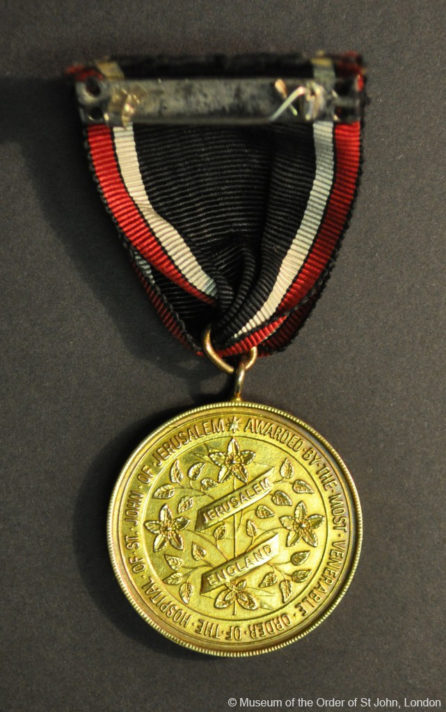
(234, 529)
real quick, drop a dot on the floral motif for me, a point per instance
(233, 462)
(235, 592)
(281, 579)
(167, 529)
(301, 526)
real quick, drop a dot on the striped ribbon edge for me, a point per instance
(132, 224)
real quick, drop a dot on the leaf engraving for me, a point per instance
(251, 528)
(301, 487)
(281, 499)
(195, 470)
(286, 469)
(207, 483)
(299, 576)
(197, 551)
(224, 599)
(299, 557)
(164, 492)
(175, 473)
(219, 532)
(175, 562)
(268, 580)
(246, 600)
(184, 504)
(285, 590)
(174, 579)
(186, 591)
(263, 512)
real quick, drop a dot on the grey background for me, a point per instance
(88, 370)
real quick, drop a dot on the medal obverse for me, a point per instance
(234, 529)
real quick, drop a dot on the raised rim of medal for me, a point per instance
(116, 558)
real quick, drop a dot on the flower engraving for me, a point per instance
(301, 526)
(167, 528)
(234, 592)
(233, 462)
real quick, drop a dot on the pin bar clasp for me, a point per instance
(217, 101)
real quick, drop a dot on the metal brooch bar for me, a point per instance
(214, 101)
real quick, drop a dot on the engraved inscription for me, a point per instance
(133, 506)
(166, 605)
(184, 437)
(326, 581)
(234, 502)
(338, 512)
(251, 559)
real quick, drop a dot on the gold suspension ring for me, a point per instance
(248, 360)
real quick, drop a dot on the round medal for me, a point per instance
(234, 529)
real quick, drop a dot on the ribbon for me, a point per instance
(238, 226)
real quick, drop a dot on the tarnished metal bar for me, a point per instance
(222, 100)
